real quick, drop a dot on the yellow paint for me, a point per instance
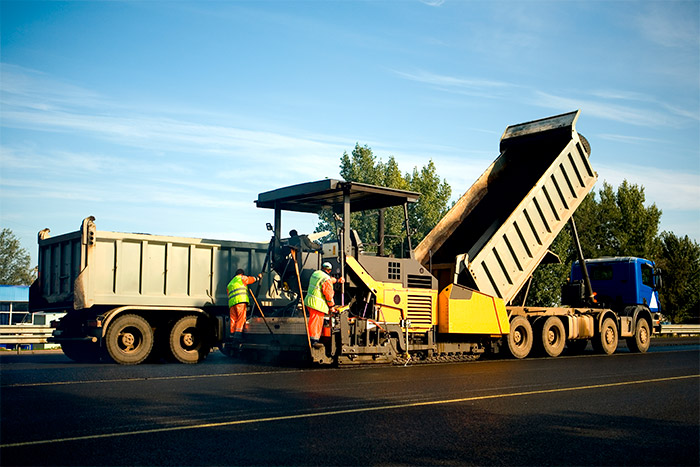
(476, 314)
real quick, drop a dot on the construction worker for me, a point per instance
(238, 301)
(319, 301)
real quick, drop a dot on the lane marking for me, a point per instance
(342, 412)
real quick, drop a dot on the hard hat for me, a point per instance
(327, 265)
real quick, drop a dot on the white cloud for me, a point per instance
(452, 82)
(434, 3)
(670, 190)
(670, 24)
(632, 115)
(631, 108)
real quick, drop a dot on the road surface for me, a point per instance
(635, 409)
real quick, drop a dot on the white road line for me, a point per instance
(344, 411)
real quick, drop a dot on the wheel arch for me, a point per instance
(605, 315)
(638, 312)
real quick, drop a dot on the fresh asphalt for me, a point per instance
(634, 409)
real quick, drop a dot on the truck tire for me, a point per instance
(129, 340)
(520, 338)
(188, 340)
(642, 337)
(553, 336)
(606, 341)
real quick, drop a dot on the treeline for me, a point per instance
(611, 222)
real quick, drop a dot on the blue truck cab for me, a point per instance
(621, 282)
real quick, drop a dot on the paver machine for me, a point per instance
(388, 308)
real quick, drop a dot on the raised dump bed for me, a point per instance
(92, 267)
(500, 230)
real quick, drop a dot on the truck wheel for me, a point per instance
(81, 352)
(520, 337)
(553, 336)
(188, 341)
(129, 340)
(642, 337)
(606, 341)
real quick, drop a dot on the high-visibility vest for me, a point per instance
(237, 291)
(314, 296)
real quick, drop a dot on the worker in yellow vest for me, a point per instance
(319, 301)
(238, 300)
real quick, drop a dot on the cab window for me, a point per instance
(647, 275)
(601, 273)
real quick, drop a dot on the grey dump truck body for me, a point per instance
(98, 268)
(501, 228)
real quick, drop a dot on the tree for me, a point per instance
(14, 261)
(433, 202)
(680, 264)
(616, 224)
(363, 167)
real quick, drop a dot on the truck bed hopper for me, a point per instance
(500, 230)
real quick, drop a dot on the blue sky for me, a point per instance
(169, 117)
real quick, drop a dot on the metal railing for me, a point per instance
(24, 334)
(680, 329)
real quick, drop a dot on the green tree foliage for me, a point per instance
(617, 223)
(680, 263)
(433, 202)
(362, 166)
(14, 261)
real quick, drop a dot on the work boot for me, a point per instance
(316, 344)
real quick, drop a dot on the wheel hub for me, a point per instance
(517, 337)
(188, 339)
(128, 340)
(643, 335)
(551, 337)
(609, 336)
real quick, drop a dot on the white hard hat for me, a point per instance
(327, 265)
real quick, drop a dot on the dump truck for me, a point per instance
(130, 297)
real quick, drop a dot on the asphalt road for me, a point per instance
(634, 409)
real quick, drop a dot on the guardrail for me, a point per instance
(24, 334)
(680, 329)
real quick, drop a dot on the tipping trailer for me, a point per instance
(500, 230)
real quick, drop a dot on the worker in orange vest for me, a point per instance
(238, 300)
(319, 301)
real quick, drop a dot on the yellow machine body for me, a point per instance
(396, 303)
(466, 311)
